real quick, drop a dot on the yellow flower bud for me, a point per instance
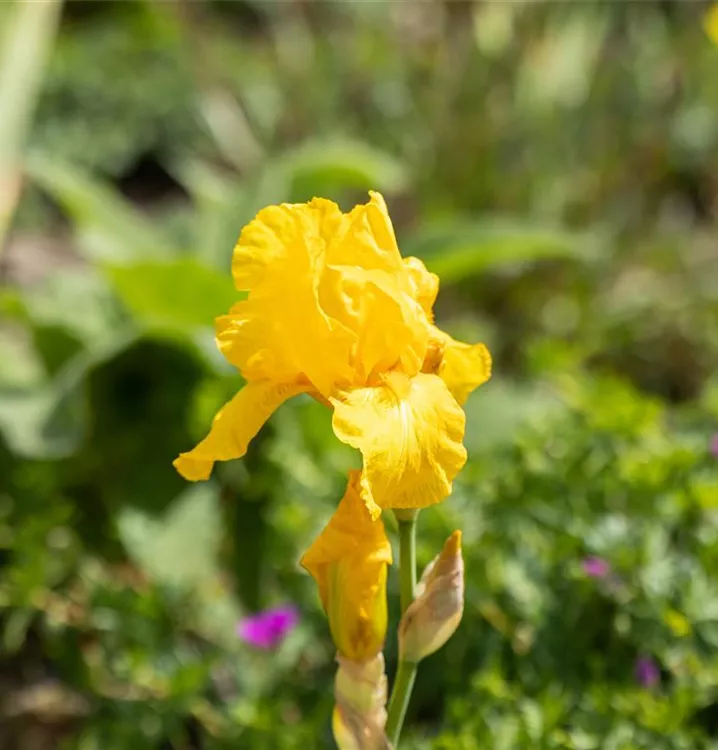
(360, 709)
(432, 618)
(349, 562)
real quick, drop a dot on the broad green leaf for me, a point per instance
(179, 548)
(108, 227)
(29, 32)
(79, 301)
(19, 364)
(466, 248)
(175, 296)
(321, 168)
(49, 421)
(43, 423)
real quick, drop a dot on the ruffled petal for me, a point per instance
(463, 367)
(281, 332)
(236, 423)
(390, 327)
(367, 239)
(409, 431)
(349, 562)
(279, 232)
(425, 285)
(369, 288)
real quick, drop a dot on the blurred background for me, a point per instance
(557, 165)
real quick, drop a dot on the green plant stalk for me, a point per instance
(25, 46)
(406, 673)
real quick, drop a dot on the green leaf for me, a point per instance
(225, 205)
(467, 248)
(80, 301)
(173, 296)
(19, 364)
(27, 41)
(108, 227)
(179, 548)
(320, 168)
(50, 421)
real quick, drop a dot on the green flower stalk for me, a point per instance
(429, 620)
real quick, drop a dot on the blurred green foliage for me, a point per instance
(556, 164)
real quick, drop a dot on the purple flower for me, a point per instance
(596, 567)
(267, 629)
(647, 672)
(714, 445)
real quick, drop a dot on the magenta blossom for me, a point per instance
(596, 567)
(714, 445)
(267, 629)
(647, 672)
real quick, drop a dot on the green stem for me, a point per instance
(406, 673)
(407, 560)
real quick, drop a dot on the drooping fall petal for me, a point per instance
(235, 424)
(410, 432)
(463, 367)
(349, 562)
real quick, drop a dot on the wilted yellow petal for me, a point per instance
(359, 716)
(236, 423)
(349, 563)
(409, 431)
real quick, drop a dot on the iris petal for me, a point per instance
(236, 423)
(349, 562)
(281, 332)
(464, 367)
(409, 431)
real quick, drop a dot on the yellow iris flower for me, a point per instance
(349, 562)
(334, 311)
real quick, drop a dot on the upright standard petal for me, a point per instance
(349, 562)
(367, 239)
(410, 432)
(278, 232)
(374, 293)
(425, 285)
(236, 423)
(281, 332)
(389, 325)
